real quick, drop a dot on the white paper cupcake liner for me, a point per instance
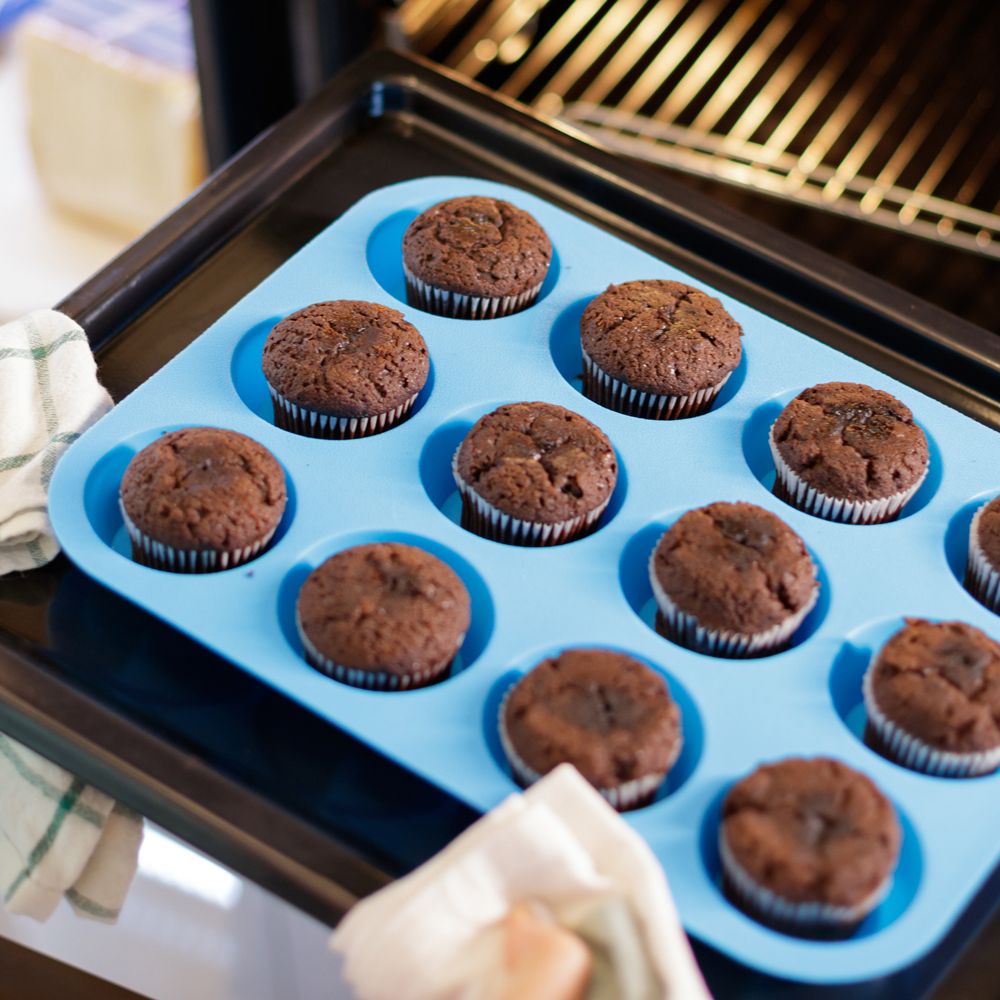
(599, 386)
(149, 552)
(982, 580)
(443, 303)
(795, 491)
(912, 752)
(684, 628)
(309, 423)
(769, 905)
(628, 795)
(373, 680)
(487, 521)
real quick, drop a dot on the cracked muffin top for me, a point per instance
(735, 567)
(940, 683)
(851, 441)
(538, 462)
(606, 713)
(477, 246)
(385, 607)
(203, 488)
(346, 358)
(812, 830)
(661, 337)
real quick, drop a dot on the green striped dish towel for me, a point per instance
(49, 395)
(58, 836)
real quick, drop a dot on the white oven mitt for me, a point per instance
(58, 836)
(438, 933)
(49, 395)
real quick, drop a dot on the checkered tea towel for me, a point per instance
(49, 395)
(58, 836)
(438, 933)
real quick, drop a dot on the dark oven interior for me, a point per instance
(851, 126)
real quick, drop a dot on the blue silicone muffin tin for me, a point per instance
(527, 603)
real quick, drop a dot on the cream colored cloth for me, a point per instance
(49, 395)
(434, 935)
(60, 837)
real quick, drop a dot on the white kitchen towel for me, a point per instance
(60, 837)
(432, 934)
(49, 395)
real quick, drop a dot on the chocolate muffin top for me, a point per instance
(604, 712)
(988, 532)
(661, 337)
(477, 246)
(812, 830)
(940, 682)
(538, 462)
(385, 607)
(204, 488)
(346, 358)
(735, 567)
(851, 441)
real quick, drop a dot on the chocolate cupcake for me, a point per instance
(474, 258)
(201, 499)
(534, 474)
(932, 694)
(384, 616)
(982, 576)
(657, 349)
(808, 845)
(605, 713)
(344, 369)
(847, 452)
(732, 579)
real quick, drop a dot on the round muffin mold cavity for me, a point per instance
(474, 257)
